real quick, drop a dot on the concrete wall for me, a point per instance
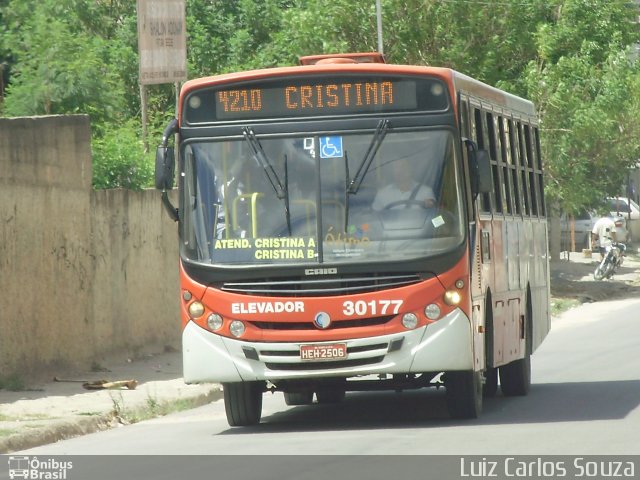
(83, 273)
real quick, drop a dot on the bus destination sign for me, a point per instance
(311, 97)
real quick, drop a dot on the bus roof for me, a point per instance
(458, 82)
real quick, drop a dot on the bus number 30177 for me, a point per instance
(373, 307)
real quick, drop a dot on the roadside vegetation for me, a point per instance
(576, 59)
(152, 408)
(13, 383)
(560, 305)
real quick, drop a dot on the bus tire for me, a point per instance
(298, 398)
(243, 403)
(490, 387)
(515, 377)
(330, 395)
(464, 393)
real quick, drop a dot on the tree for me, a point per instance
(58, 67)
(569, 56)
(582, 81)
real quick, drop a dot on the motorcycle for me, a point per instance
(613, 258)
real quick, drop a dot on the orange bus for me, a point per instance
(351, 225)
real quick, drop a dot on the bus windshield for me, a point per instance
(332, 198)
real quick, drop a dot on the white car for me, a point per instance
(620, 206)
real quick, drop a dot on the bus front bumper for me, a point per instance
(444, 345)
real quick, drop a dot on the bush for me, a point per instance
(119, 160)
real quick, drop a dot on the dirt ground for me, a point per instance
(573, 278)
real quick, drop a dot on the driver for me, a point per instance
(404, 191)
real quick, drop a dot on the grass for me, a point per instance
(13, 383)
(152, 409)
(560, 305)
(4, 432)
(26, 418)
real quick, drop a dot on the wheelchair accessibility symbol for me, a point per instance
(331, 147)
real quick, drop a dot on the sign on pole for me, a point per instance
(162, 41)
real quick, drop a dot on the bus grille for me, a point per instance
(310, 287)
(325, 365)
(336, 324)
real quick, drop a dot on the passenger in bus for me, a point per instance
(404, 191)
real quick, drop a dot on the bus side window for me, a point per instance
(514, 167)
(533, 183)
(522, 167)
(493, 152)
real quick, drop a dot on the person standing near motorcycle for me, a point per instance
(603, 234)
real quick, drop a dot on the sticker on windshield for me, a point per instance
(438, 221)
(331, 147)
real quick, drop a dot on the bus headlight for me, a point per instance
(451, 297)
(409, 321)
(214, 321)
(236, 328)
(432, 311)
(196, 309)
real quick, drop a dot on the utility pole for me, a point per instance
(379, 21)
(1, 82)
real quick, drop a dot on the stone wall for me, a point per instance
(83, 273)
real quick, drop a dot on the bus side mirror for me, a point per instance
(483, 172)
(165, 167)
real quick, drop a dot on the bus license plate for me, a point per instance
(319, 353)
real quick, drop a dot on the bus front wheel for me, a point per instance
(243, 403)
(463, 392)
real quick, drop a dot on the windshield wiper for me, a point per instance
(261, 159)
(287, 212)
(282, 192)
(376, 141)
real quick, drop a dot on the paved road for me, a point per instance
(584, 400)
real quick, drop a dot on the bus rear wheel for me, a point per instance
(515, 377)
(490, 387)
(463, 394)
(243, 403)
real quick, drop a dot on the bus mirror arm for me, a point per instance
(165, 168)
(165, 159)
(168, 206)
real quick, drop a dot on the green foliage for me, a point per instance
(583, 83)
(13, 383)
(569, 56)
(59, 68)
(119, 160)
